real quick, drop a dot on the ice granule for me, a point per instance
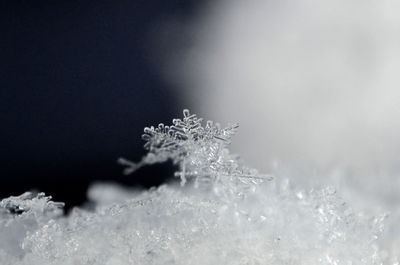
(221, 215)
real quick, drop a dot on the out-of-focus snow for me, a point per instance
(314, 83)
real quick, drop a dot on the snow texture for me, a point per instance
(223, 213)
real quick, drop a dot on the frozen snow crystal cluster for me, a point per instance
(222, 213)
(200, 152)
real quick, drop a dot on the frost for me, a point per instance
(21, 214)
(235, 219)
(30, 203)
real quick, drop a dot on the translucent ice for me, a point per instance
(237, 216)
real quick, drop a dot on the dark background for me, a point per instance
(77, 86)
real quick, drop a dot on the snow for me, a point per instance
(237, 216)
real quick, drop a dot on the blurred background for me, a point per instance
(77, 86)
(314, 86)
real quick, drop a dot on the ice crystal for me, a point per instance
(171, 225)
(262, 222)
(200, 151)
(30, 202)
(21, 214)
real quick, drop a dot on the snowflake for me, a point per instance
(201, 152)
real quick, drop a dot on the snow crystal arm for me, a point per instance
(199, 151)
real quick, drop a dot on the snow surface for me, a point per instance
(237, 216)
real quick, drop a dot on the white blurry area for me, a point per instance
(314, 85)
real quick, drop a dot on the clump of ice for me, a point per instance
(20, 215)
(232, 218)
